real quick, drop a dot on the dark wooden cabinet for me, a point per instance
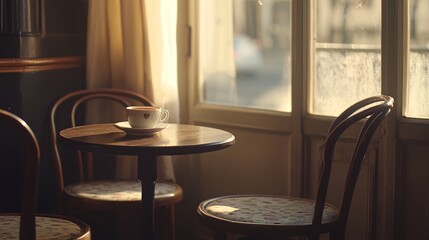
(42, 57)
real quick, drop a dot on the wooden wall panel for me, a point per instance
(414, 191)
(258, 163)
(361, 224)
(42, 57)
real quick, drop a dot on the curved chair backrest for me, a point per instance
(67, 112)
(369, 112)
(29, 153)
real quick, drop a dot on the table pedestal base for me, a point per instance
(147, 174)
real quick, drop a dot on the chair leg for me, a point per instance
(220, 236)
(172, 223)
(336, 235)
(314, 236)
(165, 226)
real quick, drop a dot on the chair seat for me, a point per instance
(264, 210)
(47, 227)
(124, 191)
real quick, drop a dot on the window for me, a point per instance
(417, 94)
(347, 54)
(245, 53)
(339, 61)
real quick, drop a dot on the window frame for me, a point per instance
(300, 124)
(229, 115)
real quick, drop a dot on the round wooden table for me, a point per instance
(178, 139)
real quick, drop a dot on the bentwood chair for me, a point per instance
(98, 199)
(272, 217)
(17, 138)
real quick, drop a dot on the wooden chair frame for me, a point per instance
(77, 99)
(31, 154)
(369, 112)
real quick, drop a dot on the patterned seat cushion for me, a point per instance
(118, 190)
(46, 228)
(265, 210)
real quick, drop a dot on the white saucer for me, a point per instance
(125, 126)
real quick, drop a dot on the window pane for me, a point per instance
(245, 53)
(417, 104)
(347, 54)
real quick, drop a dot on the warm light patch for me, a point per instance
(221, 209)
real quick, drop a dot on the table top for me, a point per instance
(175, 140)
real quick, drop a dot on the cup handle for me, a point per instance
(164, 115)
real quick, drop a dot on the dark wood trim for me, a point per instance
(40, 64)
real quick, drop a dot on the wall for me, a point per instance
(42, 57)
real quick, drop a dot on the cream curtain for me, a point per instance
(132, 45)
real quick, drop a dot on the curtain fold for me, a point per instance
(132, 45)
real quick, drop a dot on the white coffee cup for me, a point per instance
(146, 116)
